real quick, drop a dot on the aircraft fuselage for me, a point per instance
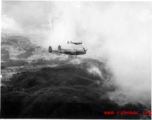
(68, 51)
(71, 52)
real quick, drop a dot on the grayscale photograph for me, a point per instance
(76, 59)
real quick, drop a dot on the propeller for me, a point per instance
(85, 49)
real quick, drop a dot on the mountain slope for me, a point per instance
(21, 48)
(65, 91)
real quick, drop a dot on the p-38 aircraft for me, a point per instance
(68, 51)
(76, 43)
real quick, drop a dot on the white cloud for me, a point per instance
(9, 24)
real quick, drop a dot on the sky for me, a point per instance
(119, 32)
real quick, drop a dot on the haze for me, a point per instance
(119, 32)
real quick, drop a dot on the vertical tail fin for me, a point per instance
(50, 49)
(59, 47)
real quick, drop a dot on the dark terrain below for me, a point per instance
(37, 84)
(65, 91)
